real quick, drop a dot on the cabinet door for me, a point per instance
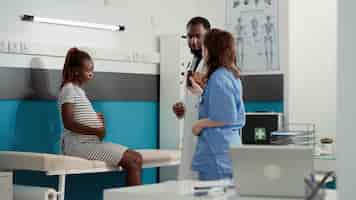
(6, 185)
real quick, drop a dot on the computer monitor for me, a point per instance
(259, 126)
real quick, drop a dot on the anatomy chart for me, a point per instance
(254, 23)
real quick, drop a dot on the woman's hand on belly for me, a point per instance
(70, 123)
(101, 134)
(101, 118)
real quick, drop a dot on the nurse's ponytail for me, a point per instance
(221, 52)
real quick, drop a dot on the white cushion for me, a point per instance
(12, 160)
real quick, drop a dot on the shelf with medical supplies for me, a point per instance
(32, 48)
(302, 134)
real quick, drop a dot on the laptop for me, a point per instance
(271, 171)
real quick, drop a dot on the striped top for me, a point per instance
(83, 110)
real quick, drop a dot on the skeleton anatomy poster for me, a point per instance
(254, 23)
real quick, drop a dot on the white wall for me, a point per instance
(346, 108)
(312, 66)
(214, 10)
(144, 21)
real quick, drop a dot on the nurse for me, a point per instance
(221, 109)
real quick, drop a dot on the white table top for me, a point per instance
(181, 190)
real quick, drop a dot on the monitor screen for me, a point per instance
(259, 127)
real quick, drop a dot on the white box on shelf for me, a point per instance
(6, 190)
(24, 48)
(14, 47)
(4, 46)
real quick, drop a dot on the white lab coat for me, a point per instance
(191, 102)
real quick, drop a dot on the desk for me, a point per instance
(179, 190)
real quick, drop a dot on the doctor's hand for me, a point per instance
(179, 110)
(196, 88)
(200, 79)
(197, 128)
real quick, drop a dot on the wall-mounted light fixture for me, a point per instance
(31, 18)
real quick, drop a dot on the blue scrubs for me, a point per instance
(221, 102)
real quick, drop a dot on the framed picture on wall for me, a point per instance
(254, 24)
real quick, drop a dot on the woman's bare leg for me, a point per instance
(131, 161)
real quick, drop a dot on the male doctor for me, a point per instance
(196, 29)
